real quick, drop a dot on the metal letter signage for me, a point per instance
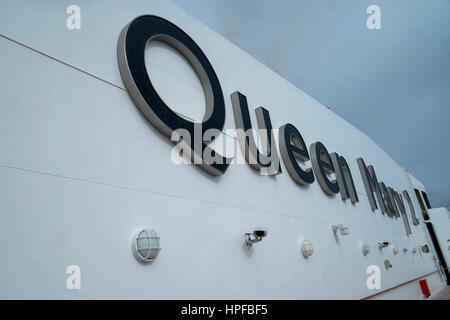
(411, 208)
(268, 158)
(293, 148)
(344, 178)
(130, 55)
(322, 165)
(371, 184)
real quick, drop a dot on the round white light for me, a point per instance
(414, 250)
(365, 249)
(395, 250)
(146, 245)
(307, 248)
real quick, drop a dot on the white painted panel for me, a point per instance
(81, 169)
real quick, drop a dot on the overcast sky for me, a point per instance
(393, 84)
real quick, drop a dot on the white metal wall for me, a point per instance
(81, 170)
(440, 218)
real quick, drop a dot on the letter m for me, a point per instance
(371, 184)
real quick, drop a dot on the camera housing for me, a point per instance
(260, 232)
(383, 244)
(257, 235)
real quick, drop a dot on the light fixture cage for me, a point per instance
(146, 245)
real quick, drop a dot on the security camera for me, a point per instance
(382, 245)
(257, 235)
(260, 232)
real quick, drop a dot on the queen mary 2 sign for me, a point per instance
(196, 136)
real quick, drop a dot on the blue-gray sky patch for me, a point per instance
(393, 84)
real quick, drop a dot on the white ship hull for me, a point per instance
(81, 169)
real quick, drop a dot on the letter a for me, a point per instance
(74, 20)
(74, 280)
(374, 280)
(374, 20)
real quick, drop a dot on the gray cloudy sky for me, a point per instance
(393, 84)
